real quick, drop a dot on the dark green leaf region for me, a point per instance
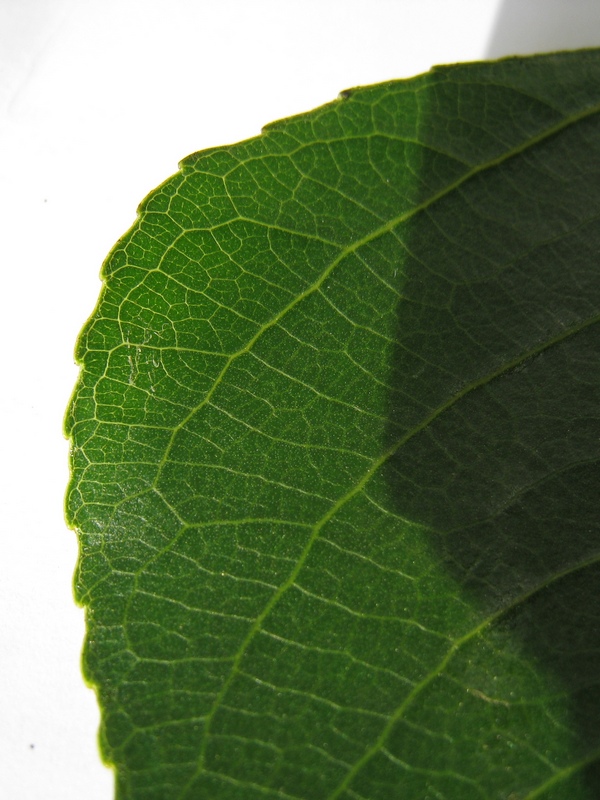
(335, 453)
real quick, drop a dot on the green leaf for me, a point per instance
(335, 453)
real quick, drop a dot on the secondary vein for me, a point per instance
(352, 248)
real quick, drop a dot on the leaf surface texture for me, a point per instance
(335, 453)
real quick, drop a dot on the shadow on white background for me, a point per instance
(98, 102)
(535, 26)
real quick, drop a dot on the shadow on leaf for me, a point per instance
(498, 334)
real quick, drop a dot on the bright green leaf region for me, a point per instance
(335, 451)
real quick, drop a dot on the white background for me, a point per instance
(99, 99)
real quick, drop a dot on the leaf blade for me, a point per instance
(226, 412)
